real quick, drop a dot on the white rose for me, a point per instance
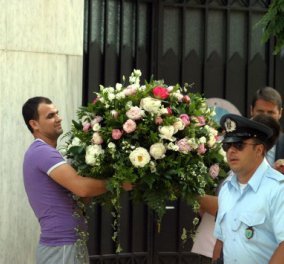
(150, 104)
(135, 113)
(166, 132)
(97, 139)
(92, 154)
(157, 151)
(96, 127)
(178, 125)
(139, 157)
(202, 140)
(75, 142)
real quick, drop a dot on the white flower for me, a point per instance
(172, 146)
(92, 154)
(223, 153)
(135, 113)
(120, 95)
(150, 105)
(137, 73)
(118, 87)
(178, 95)
(170, 88)
(129, 104)
(192, 143)
(163, 111)
(212, 140)
(178, 125)
(142, 88)
(75, 142)
(96, 127)
(111, 145)
(139, 157)
(202, 140)
(85, 119)
(157, 151)
(166, 132)
(111, 96)
(97, 139)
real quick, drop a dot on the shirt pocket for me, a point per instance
(252, 222)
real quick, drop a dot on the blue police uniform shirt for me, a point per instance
(251, 222)
(270, 155)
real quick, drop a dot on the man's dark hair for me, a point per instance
(30, 109)
(268, 94)
(273, 124)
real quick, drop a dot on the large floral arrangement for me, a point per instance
(161, 138)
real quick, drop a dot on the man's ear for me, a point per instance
(33, 124)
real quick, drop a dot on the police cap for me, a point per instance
(238, 128)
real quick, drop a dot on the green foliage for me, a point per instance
(273, 24)
(161, 138)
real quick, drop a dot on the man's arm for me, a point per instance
(278, 255)
(208, 204)
(67, 177)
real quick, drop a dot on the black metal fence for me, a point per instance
(212, 43)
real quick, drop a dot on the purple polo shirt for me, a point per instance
(52, 204)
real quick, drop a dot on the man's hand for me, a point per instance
(279, 165)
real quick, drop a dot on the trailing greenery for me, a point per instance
(273, 24)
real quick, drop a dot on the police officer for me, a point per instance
(250, 221)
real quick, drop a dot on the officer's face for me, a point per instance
(244, 158)
(267, 108)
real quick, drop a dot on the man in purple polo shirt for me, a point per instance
(50, 182)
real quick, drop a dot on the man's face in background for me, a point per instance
(265, 107)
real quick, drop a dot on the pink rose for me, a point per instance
(86, 127)
(201, 120)
(183, 145)
(161, 92)
(170, 111)
(158, 120)
(201, 149)
(130, 90)
(186, 99)
(214, 170)
(185, 119)
(129, 126)
(97, 119)
(116, 134)
(135, 113)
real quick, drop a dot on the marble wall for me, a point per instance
(41, 45)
